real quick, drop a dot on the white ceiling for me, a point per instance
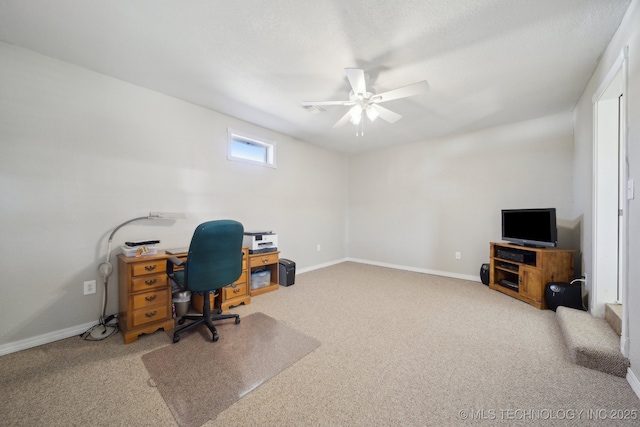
(488, 62)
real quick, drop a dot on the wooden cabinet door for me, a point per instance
(531, 286)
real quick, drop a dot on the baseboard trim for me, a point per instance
(633, 381)
(318, 266)
(624, 346)
(47, 338)
(417, 270)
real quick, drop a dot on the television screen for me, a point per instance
(530, 227)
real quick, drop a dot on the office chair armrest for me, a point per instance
(171, 262)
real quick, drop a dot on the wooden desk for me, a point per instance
(264, 261)
(237, 293)
(145, 303)
(144, 295)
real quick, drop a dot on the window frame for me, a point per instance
(234, 136)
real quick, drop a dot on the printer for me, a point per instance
(260, 241)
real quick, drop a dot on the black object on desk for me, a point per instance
(146, 242)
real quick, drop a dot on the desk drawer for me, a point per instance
(149, 282)
(235, 290)
(149, 267)
(149, 299)
(150, 315)
(264, 259)
(242, 278)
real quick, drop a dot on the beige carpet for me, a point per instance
(397, 349)
(591, 342)
(198, 379)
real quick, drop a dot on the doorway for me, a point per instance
(609, 275)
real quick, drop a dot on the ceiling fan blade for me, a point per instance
(344, 120)
(356, 80)
(402, 92)
(386, 114)
(311, 103)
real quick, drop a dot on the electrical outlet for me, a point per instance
(458, 255)
(90, 287)
(318, 247)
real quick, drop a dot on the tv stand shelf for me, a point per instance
(524, 272)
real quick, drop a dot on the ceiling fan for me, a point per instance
(365, 101)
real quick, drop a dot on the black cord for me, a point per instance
(86, 335)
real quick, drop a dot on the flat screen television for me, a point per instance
(530, 227)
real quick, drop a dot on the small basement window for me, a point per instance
(249, 149)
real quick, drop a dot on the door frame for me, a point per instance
(596, 307)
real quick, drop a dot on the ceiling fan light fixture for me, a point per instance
(361, 100)
(356, 114)
(372, 113)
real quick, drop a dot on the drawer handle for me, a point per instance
(265, 260)
(150, 298)
(151, 314)
(149, 267)
(235, 291)
(150, 282)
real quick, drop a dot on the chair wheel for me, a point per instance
(176, 338)
(237, 320)
(215, 337)
(219, 311)
(181, 321)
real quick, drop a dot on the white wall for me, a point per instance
(416, 205)
(81, 152)
(628, 34)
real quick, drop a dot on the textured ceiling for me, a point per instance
(488, 62)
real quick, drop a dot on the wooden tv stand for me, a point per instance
(524, 272)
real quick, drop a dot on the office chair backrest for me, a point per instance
(215, 255)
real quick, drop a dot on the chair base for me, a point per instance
(207, 318)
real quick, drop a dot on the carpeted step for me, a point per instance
(591, 341)
(613, 316)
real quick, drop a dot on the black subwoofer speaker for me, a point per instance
(484, 273)
(563, 294)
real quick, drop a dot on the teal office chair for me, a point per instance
(214, 261)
